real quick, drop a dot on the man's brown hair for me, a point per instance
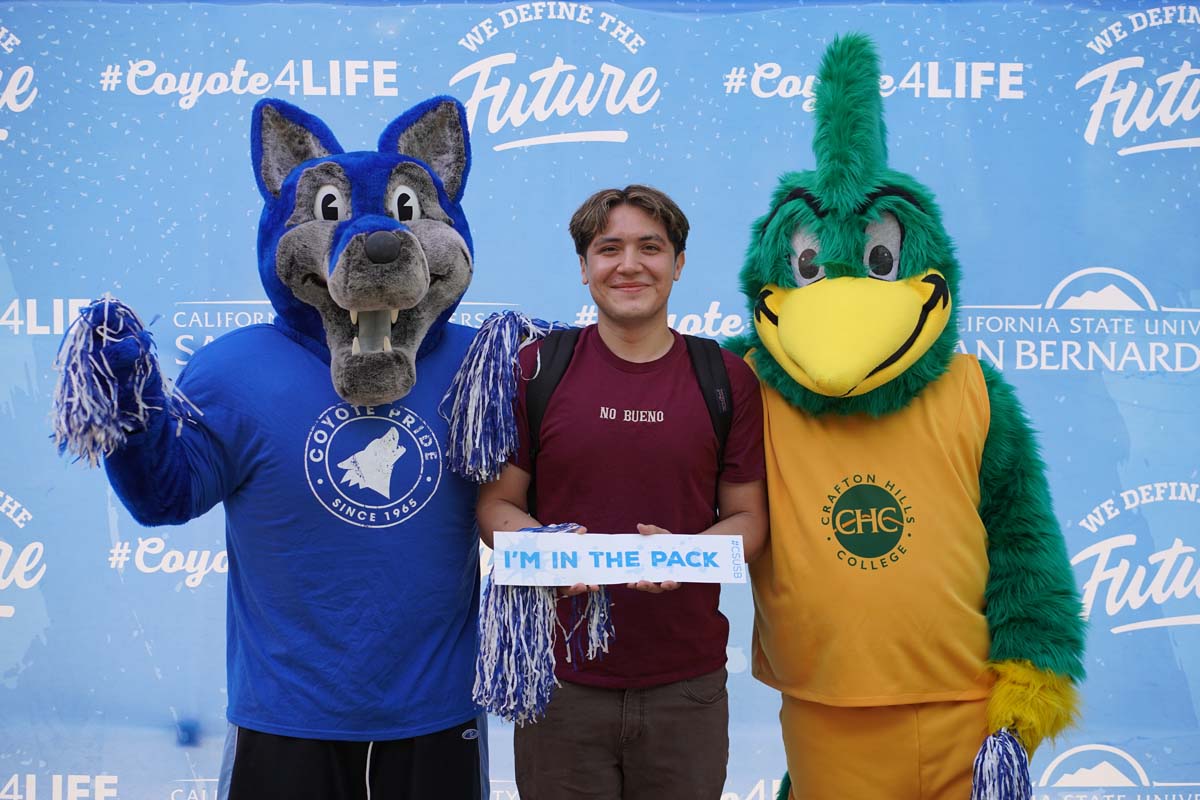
(591, 218)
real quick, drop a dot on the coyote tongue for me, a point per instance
(374, 332)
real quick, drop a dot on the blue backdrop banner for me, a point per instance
(1060, 139)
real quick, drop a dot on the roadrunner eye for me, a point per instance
(804, 264)
(881, 256)
(881, 261)
(803, 256)
(404, 206)
(329, 204)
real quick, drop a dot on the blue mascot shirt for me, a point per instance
(353, 560)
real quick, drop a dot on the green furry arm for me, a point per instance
(1033, 607)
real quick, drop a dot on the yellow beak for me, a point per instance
(842, 337)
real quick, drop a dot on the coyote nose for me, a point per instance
(382, 247)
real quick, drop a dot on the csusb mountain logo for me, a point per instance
(1096, 319)
(372, 467)
(867, 521)
(1102, 771)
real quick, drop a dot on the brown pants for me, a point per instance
(659, 743)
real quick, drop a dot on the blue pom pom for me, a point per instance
(593, 613)
(479, 403)
(109, 382)
(1001, 769)
(514, 669)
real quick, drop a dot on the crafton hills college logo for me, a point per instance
(868, 521)
(372, 467)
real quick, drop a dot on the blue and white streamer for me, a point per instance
(89, 421)
(514, 670)
(1001, 769)
(479, 403)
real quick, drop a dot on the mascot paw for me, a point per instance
(109, 333)
(1035, 703)
(109, 381)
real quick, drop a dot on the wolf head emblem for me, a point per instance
(371, 467)
(367, 251)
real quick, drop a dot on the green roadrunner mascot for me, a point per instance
(916, 607)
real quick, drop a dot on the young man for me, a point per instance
(627, 444)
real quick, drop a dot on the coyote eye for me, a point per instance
(329, 204)
(404, 205)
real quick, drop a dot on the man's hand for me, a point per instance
(579, 588)
(650, 586)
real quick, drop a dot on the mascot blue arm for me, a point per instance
(173, 470)
(153, 475)
(112, 404)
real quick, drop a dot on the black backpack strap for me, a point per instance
(714, 384)
(554, 357)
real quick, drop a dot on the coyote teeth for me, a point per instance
(356, 348)
(395, 315)
(353, 317)
(387, 345)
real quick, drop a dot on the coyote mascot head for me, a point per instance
(364, 254)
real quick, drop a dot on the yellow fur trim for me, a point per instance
(1035, 703)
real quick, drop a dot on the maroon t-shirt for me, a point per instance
(623, 443)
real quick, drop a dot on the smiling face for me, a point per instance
(629, 267)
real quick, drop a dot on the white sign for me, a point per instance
(562, 559)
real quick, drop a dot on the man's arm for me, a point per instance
(742, 508)
(502, 504)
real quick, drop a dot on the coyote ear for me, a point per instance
(434, 132)
(281, 137)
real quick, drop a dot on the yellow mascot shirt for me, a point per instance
(872, 589)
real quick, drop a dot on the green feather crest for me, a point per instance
(851, 138)
(851, 164)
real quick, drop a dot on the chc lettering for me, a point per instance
(868, 520)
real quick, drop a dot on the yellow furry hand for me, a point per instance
(1033, 703)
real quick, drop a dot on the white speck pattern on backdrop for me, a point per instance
(1061, 140)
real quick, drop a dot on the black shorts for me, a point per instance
(444, 765)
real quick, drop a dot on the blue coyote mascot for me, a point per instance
(354, 570)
